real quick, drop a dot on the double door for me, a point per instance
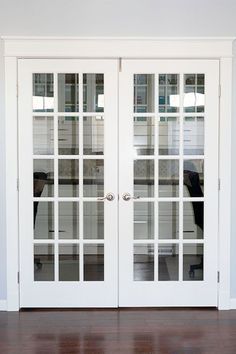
(118, 170)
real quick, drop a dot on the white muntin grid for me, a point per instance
(180, 199)
(56, 199)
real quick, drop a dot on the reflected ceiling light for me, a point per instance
(43, 103)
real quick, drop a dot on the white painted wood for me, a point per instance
(11, 183)
(57, 293)
(118, 47)
(168, 293)
(232, 304)
(55, 47)
(3, 305)
(225, 182)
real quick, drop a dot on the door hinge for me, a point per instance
(218, 277)
(219, 90)
(120, 64)
(18, 277)
(219, 184)
(18, 184)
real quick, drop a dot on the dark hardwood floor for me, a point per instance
(180, 331)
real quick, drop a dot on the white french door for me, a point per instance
(169, 183)
(89, 238)
(67, 164)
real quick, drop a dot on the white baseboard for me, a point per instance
(3, 305)
(233, 304)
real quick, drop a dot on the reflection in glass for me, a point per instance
(143, 220)
(168, 261)
(144, 93)
(68, 220)
(43, 137)
(93, 220)
(168, 178)
(143, 262)
(144, 178)
(194, 135)
(93, 178)
(193, 227)
(93, 130)
(68, 178)
(68, 92)
(144, 131)
(43, 178)
(193, 263)
(169, 136)
(68, 135)
(93, 262)
(69, 262)
(194, 97)
(43, 262)
(93, 92)
(193, 178)
(168, 220)
(169, 93)
(43, 220)
(43, 100)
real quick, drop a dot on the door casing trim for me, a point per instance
(100, 48)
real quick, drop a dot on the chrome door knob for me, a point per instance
(126, 196)
(109, 196)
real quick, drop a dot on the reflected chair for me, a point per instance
(40, 179)
(192, 182)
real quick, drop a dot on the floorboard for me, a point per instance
(167, 331)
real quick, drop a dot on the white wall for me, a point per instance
(118, 17)
(109, 18)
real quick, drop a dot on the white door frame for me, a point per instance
(156, 48)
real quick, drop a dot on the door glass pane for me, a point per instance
(43, 136)
(168, 261)
(193, 178)
(194, 135)
(143, 262)
(193, 261)
(43, 262)
(144, 135)
(69, 262)
(93, 220)
(169, 93)
(68, 92)
(144, 93)
(68, 135)
(94, 262)
(43, 92)
(168, 178)
(43, 220)
(144, 178)
(169, 136)
(143, 220)
(68, 178)
(194, 92)
(193, 220)
(68, 220)
(93, 178)
(93, 92)
(168, 216)
(43, 178)
(93, 131)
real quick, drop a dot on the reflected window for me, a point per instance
(194, 92)
(43, 93)
(169, 93)
(144, 93)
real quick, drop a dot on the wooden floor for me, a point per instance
(118, 331)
